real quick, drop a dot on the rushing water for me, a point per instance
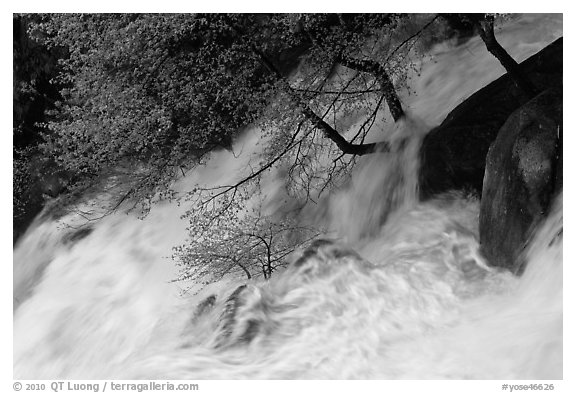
(400, 292)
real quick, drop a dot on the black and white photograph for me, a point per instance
(287, 196)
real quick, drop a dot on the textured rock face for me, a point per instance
(523, 174)
(453, 155)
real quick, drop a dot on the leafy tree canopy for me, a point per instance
(158, 92)
(240, 240)
(155, 93)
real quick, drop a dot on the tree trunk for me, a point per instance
(386, 86)
(269, 268)
(248, 275)
(390, 96)
(345, 146)
(485, 28)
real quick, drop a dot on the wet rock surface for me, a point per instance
(523, 175)
(453, 156)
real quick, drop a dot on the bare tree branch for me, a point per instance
(379, 72)
(485, 27)
(329, 131)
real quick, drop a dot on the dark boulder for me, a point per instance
(453, 156)
(523, 174)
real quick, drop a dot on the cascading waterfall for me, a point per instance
(398, 291)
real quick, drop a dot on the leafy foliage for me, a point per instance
(158, 92)
(34, 96)
(155, 93)
(238, 240)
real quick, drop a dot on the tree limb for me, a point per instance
(485, 27)
(328, 130)
(379, 72)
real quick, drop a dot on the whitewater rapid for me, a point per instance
(397, 291)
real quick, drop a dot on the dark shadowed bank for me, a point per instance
(522, 138)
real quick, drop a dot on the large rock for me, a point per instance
(523, 174)
(453, 156)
